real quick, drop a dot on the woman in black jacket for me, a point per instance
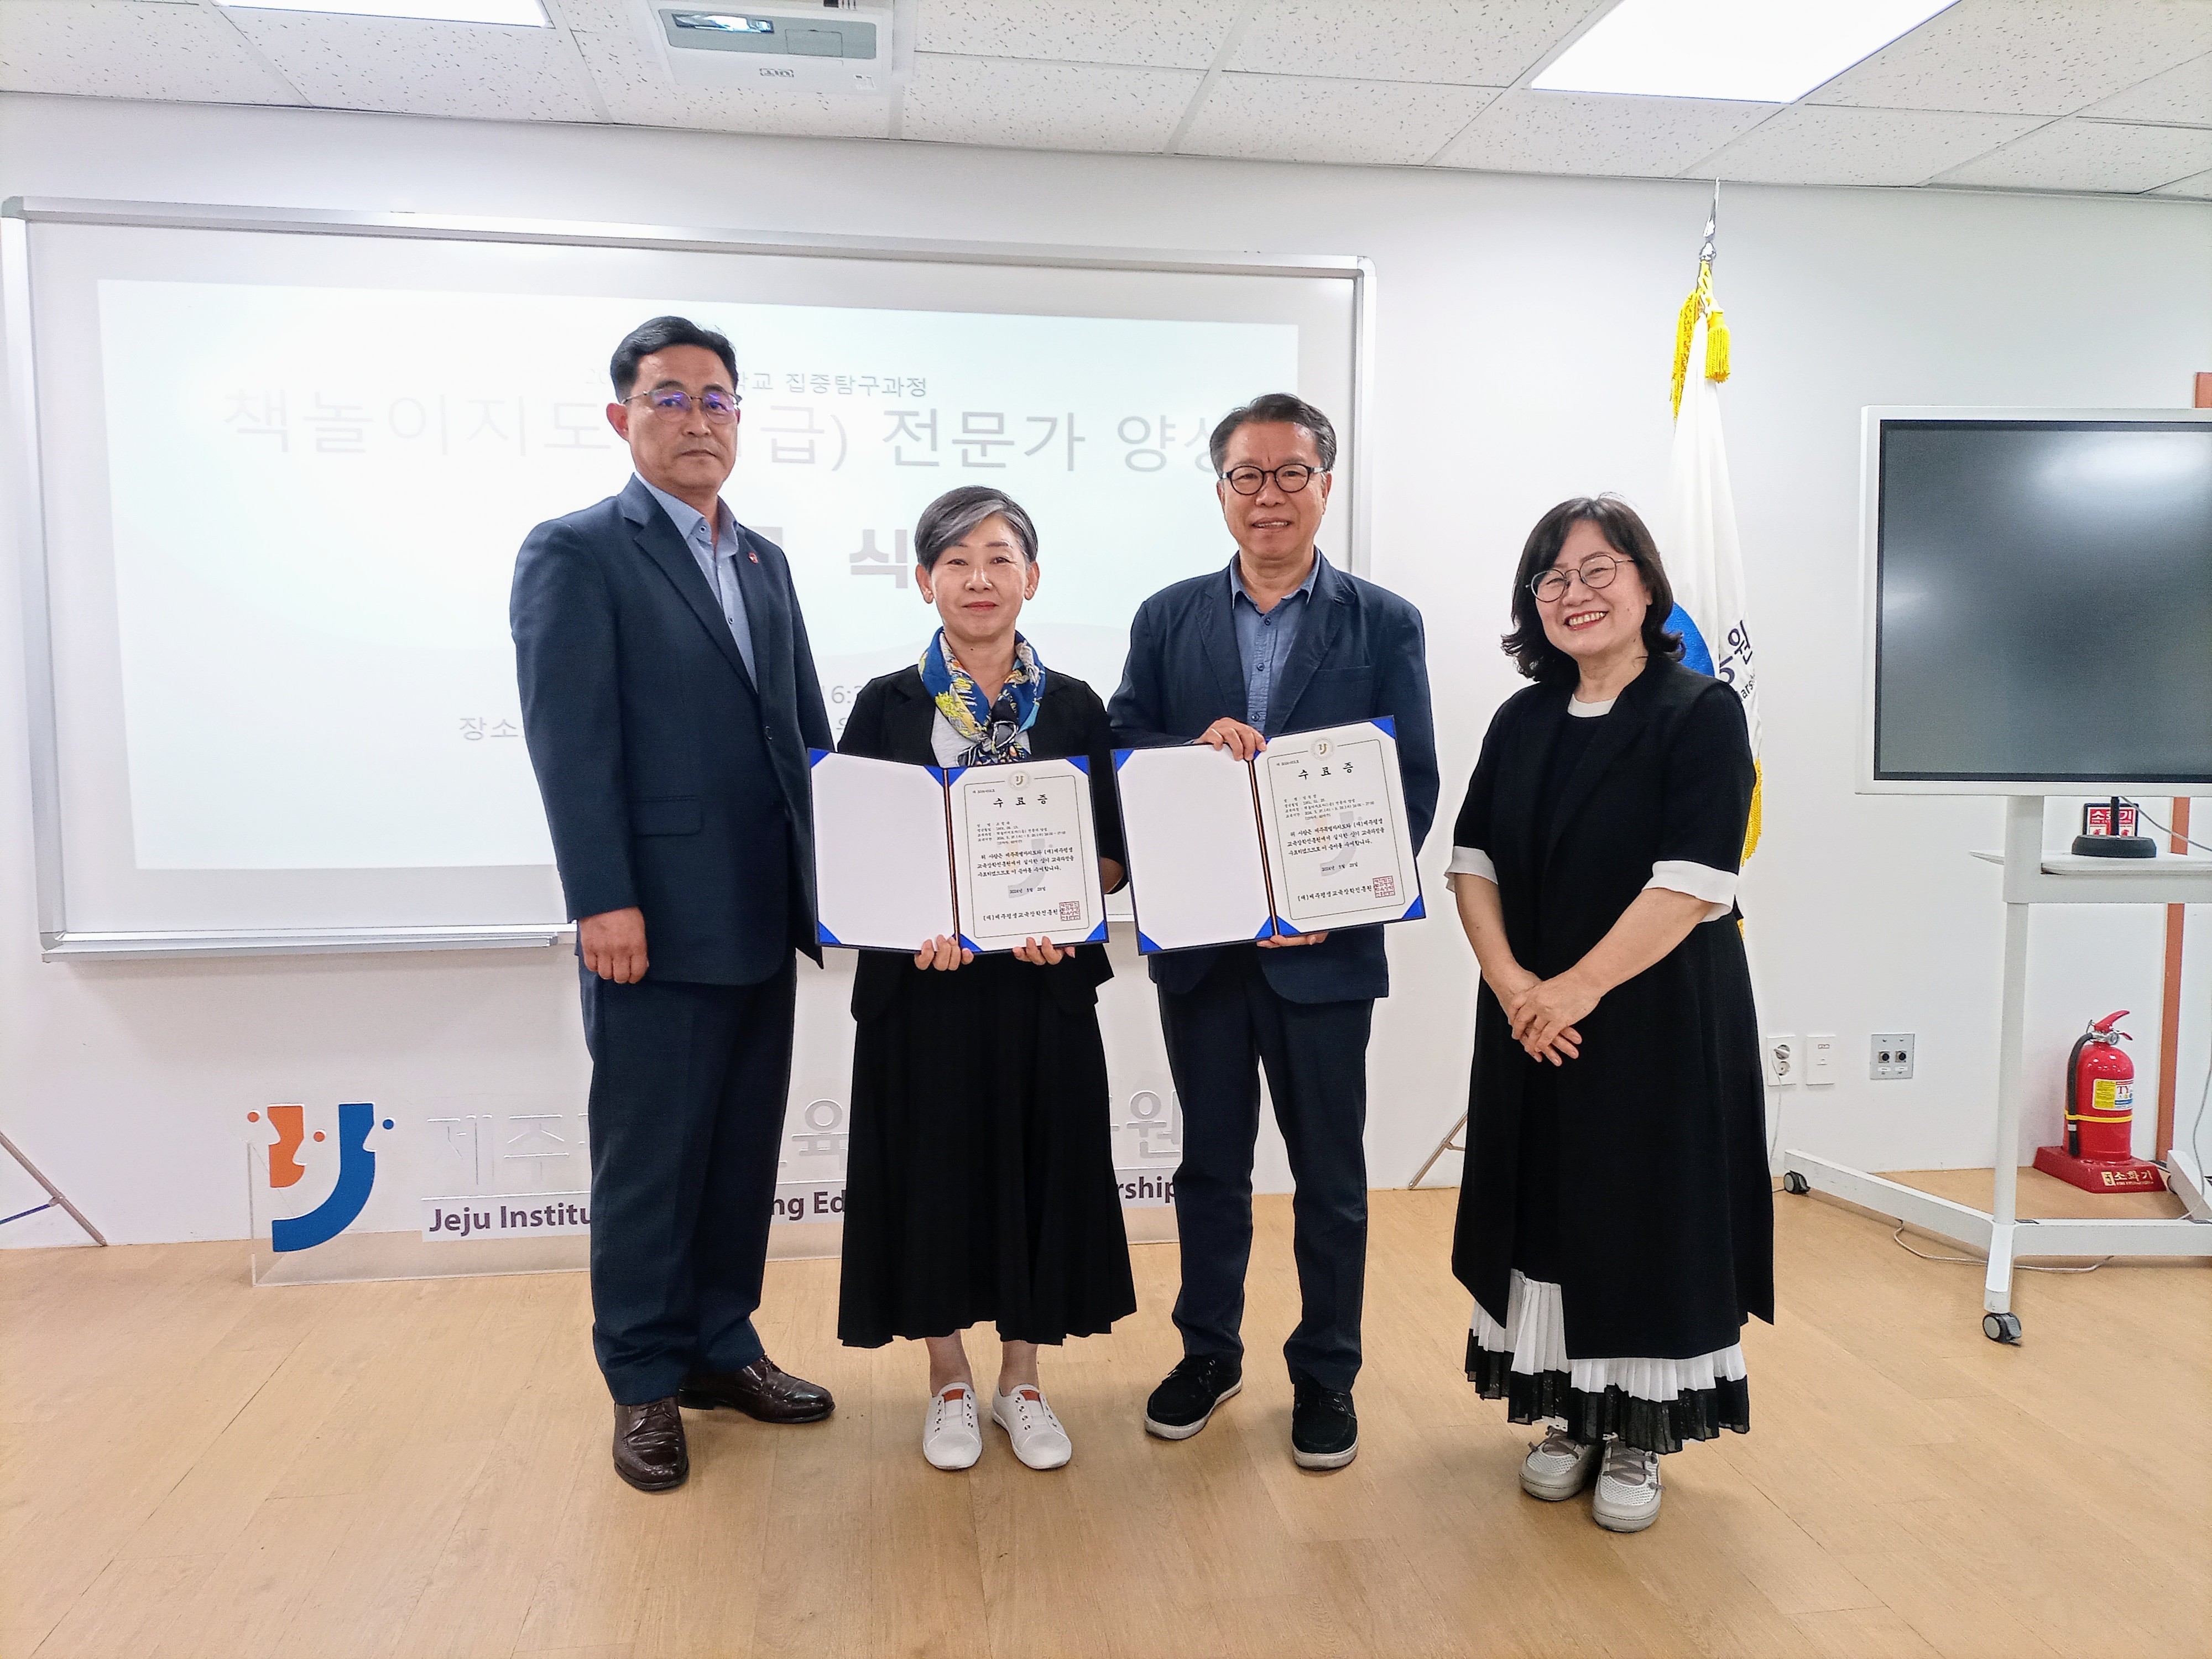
(1615, 1222)
(980, 1180)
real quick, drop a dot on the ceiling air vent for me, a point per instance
(845, 46)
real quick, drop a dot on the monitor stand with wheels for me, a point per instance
(2031, 877)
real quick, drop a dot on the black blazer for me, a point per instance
(672, 781)
(1665, 1222)
(893, 719)
(1359, 654)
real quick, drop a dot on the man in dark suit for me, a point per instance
(1280, 641)
(669, 699)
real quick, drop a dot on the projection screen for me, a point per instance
(274, 467)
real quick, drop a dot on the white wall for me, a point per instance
(1525, 325)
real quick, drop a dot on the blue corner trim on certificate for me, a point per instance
(815, 756)
(1145, 945)
(823, 936)
(1122, 757)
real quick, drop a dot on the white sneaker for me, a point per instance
(949, 1436)
(1038, 1439)
(1559, 1466)
(1627, 1496)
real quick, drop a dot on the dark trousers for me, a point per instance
(1219, 1035)
(688, 1088)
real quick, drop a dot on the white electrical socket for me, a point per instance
(1889, 1055)
(1779, 1052)
(1820, 1054)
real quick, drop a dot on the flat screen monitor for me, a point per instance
(2038, 595)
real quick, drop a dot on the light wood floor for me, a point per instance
(193, 1467)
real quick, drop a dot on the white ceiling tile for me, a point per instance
(1805, 144)
(591, 17)
(470, 69)
(2091, 155)
(1287, 117)
(1598, 133)
(2183, 93)
(1160, 33)
(637, 92)
(1478, 43)
(1030, 106)
(2026, 56)
(127, 48)
(2199, 187)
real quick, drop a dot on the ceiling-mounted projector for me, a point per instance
(848, 46)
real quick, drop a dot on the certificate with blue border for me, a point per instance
(992, 856)
(1309, 836)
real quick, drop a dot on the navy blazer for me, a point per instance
(672, 781)
(1359, 654)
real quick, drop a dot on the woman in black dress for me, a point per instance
(1615, 1221)
(979, 1183)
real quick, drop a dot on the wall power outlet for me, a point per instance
(1889, 1055)
(1779, 1053)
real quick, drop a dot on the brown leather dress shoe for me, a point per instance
(764, 1389)
(649, 1450)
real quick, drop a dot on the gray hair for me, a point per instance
(1267, 410)
(949, 519)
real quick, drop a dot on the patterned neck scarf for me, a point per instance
(994, 732)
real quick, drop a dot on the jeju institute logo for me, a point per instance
(285, 1133)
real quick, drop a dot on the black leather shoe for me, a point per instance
(762, 1390)
(1180, 1406)
(649, 1450)
(1324, 1429)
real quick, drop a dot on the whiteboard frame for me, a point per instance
(18, 213)
(1874, 418)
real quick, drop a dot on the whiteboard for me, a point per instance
(275, 467)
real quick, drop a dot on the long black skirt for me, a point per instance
(1652, 1419)
(980, 1180)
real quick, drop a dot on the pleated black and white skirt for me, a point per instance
(1652, 1404)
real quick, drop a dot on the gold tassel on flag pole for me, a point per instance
(1700, 304)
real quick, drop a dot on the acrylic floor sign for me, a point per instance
(317, 1173)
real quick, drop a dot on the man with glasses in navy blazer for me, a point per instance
(668, 700)
(1282, 641)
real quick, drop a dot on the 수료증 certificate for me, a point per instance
(1309, 836)
(992, 856)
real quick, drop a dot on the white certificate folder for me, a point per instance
(1308, 835)
(990, 855)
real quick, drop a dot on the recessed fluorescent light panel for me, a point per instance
(1763, 51)
(520, 14)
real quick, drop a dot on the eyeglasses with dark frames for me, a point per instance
(671, 402)
(1289, 478)
(1597, 571)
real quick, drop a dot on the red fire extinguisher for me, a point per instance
(2100, 1085)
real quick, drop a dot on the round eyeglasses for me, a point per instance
(1598, 571)
(1291, 479)
(670, 404)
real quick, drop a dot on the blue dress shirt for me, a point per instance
(716, 549)
(1264, 638)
